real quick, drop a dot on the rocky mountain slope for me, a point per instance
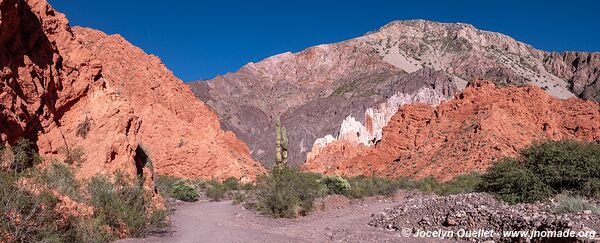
(181, 133)
(350, 90)
(468, 133)
(66, 88)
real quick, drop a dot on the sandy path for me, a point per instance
(225, 222)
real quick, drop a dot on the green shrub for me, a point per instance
(60, 176)
(24, 155)
(336, 185)
(563, 165)
(545, 169)
(514, 183)
(575, 204)
(38, 219)
(460, 184)
(174, 187)
(215, 190)
(164, 184)
(287, 192)
(119, 204)
(591, 188)
(230, 184)
(185, 191)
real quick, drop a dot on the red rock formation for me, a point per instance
(466, 134)
(314, 91)
(50, 83)
(182, 135)
(53, 80)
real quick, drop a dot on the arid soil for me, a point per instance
(396, 218)
(342, 221)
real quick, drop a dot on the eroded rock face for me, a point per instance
(44, 70)
(356, 133)
(66, 89)
(304, 89)
(469, 133)
(581, 69)
(328, 89)
(50, 84)
(182, 135)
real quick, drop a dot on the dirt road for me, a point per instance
(225, 222)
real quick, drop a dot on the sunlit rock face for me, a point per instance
(370, 131)
(64, 88)
(468, 133)
(314, 91)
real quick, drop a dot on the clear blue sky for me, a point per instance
(201, 39)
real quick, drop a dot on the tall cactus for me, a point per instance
(284, 145)
(278, 155)
(281, 143)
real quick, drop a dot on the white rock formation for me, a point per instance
(376, 119)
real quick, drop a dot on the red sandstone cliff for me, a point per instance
(182, 135)
(466, 134)
(54, 79)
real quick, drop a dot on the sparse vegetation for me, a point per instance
(287, 192)
(84, 127)
(575, 204)
(73, 156)
(23, 155)
(164, 184)
(60, 176)
(191, 190)
(460, 184)
(336, 185)
(362, 186)
(184, 191)
(344, 88)
(117, 204)
(30, 199)
(231, 183)
(215, 190)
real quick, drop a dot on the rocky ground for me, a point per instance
(476, 211)
(337, 219)
(374, 219)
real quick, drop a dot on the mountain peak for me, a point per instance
(423, 23)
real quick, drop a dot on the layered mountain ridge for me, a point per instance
(468, 133)
(349, 90)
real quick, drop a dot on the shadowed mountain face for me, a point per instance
(350, 90)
